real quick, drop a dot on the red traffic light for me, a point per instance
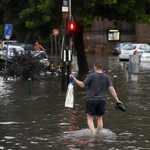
(72, 26)
(71, 29)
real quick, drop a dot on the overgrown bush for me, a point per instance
(24, 66)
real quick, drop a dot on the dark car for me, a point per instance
(118, 47)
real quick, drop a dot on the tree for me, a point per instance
(132, 11)
(41, 16)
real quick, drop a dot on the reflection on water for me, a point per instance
(40, 121)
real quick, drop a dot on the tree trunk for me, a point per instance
(79, 46)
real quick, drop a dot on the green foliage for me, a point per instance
(40, 17)
(132, 11)
(24, 66)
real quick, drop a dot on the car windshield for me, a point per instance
(41, 55)
(11, 43)
(21, 44)
(129, 47)
(123, 44)
(147, 50)
(13, 49)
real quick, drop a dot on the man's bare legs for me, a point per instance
(91, 123)
(99, 123)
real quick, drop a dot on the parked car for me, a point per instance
(132, 49)
(118, 47)
(4, 43)
(41, 55)
(11, 50)
(43, 58)
(145, 57)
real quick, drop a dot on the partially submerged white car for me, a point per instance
(132, 49)
(145, 57)
(11, 51)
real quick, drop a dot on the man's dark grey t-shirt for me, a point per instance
(97, 86)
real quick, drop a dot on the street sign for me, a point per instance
(64, 3)
(65, 9)
(8, 29)
(7, 37)
(55, 32)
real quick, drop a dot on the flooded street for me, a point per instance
(41, 122)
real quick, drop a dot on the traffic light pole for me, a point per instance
(69, 47)
(66, 52)
(63, 61)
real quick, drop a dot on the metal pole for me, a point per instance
(124, 65)
(64, 56)
(29, 79)
(69, 9)
(69, 19)
(61, 56)
(115, 84)
(55, 44)
(59, 71)
(52, 44)
(52, 67)
(6, 57)
(69, 45)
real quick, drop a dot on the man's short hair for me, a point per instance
(98, 65)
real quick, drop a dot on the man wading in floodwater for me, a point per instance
(98, 83)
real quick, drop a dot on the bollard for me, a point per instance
(124, 65)
(59, 71)
(127, 77)
(115, 84)
(29, 79)
(52, 69)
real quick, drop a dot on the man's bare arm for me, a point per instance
(79, 83)
(114, 94)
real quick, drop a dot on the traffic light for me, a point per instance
(71, 29)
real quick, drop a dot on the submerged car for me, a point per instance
(118, 47)
(42, 56)
(11, 51)
(145, 57)
(132, 49)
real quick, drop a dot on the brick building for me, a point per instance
(95, 38)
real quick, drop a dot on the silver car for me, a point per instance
(145, 57)
(11, 51)
(132, 49)
(118, 47)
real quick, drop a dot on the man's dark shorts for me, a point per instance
(95, 107)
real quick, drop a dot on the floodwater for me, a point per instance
(41, 122)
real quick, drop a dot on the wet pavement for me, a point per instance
(41, 122)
